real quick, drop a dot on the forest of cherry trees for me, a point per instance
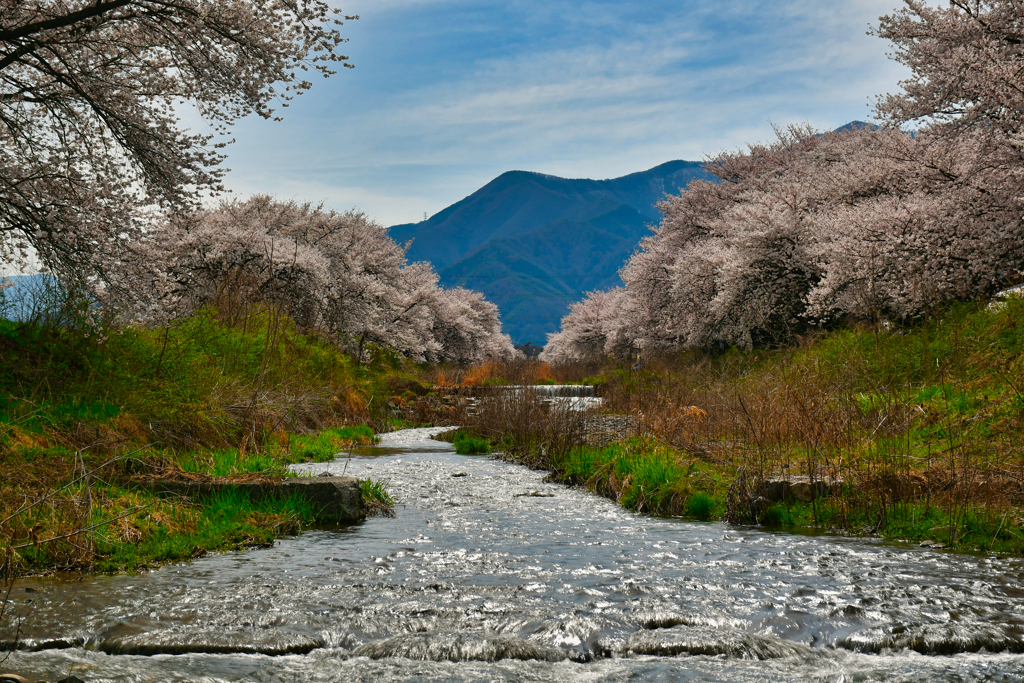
(873, 223)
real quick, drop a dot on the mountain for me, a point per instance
(535, 243)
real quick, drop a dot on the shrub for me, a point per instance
(779, 515)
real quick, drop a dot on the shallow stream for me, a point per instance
(489, 574)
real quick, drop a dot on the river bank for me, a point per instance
(90, 415)
(909, 432)
(646, 476)
(74, 511)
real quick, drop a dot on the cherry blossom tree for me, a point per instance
(90, 143)
(966, 63)
(913, 220)
(467, 328)
(813, 229)
(594, 329)
(336, 272)
(731, 260)
(866, 223)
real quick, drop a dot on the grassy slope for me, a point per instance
(207, 397)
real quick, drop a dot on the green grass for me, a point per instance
(700, 506)
(327, 445)
(164, 530)
(377, 498)
(229, 520)
(937, 395)
(467, 444)
(989, 531)
(646, 476)
(229, 461)
(323, 446)
(144, 530)
(176, 382)
(221, 393)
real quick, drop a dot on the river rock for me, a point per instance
(459, 647)
(800, 488)
(934, 639)
(174, 642)
(337, 500)
(802, 491)
(30, 644)
(709, 641)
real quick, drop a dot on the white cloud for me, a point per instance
(585, 90)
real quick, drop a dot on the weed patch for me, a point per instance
(377, 498)
(466, 444)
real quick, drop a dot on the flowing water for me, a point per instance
(489, 574)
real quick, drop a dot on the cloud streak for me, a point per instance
(448, 94)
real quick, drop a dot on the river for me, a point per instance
(490, 574)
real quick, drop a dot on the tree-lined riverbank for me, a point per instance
(912, 432)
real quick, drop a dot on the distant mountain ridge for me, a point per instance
(535, 243)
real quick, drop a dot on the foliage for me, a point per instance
(188, 383)
(90, 143)
(327, 445)
(808, 232)
(902, 425)
(107, 523)
(111, 527)
(965, 63)
(273, 459)
(376, 497)
(644, 476)
(700, 506)
(340, 273)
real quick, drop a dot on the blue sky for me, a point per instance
(448, 94)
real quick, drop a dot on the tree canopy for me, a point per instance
(91, 145)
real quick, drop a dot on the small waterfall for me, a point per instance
(563, 390)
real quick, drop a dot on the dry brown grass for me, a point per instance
(527, 429)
